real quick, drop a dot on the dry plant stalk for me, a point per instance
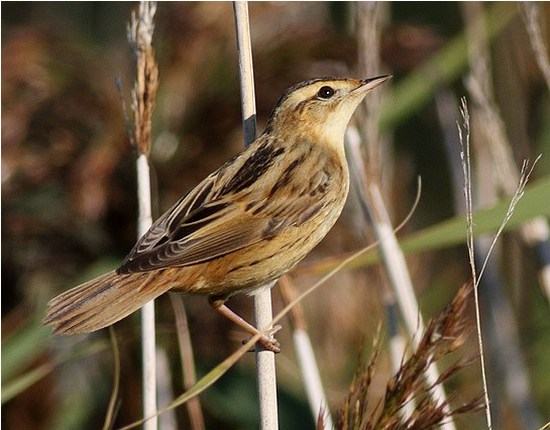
(393, 260)
(189, 376)
(531, 13)
(263, 313)
(465, 160)
(442, 336)
(140, 34)
(372, 17)
(405, 306)
(309, 369)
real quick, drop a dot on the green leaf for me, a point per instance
(13, 388)
(18, 384)
(23, 347)
(535, 202)
(29, 341)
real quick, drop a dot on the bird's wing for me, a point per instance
(205, 225)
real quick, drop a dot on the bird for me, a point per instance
(245, 225)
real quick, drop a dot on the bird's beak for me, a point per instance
(371, 83)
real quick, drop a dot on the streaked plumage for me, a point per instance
(243, 226)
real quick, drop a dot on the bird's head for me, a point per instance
(320, 108)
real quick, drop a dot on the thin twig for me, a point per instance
(265, 360)
(464, 140)
(525, 173)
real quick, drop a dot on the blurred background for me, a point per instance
(69, 200)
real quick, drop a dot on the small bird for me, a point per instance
(244, 225)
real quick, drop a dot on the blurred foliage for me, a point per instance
(69, 204)
(453, 231)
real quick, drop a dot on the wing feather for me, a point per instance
(200, 247)
(214, 219)
(157, 233)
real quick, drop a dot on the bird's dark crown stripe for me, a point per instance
(305, 84)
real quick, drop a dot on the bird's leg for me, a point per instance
(267, 342)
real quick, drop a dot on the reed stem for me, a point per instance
(265, 360)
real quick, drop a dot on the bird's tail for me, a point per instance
(102, 301)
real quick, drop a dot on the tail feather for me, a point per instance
(102, 301)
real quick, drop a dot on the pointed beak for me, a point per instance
(371, 83)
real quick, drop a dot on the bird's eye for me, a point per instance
(325, 92)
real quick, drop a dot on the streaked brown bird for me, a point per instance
(242, 227)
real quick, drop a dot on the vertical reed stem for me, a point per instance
(303, 349)
(148, 335)
(396, 269)
(265, 365)
(393, 260)
(265, 360)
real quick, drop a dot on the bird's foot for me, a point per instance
(268, 341)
